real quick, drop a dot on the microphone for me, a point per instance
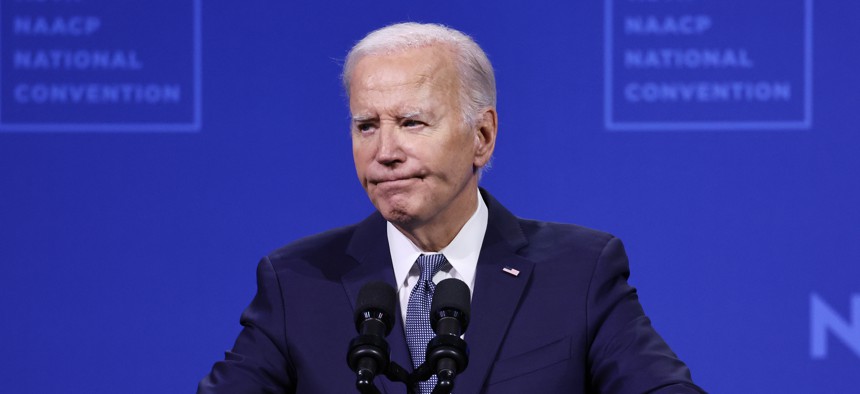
(368, 353)
(451, 308)
(447, 353)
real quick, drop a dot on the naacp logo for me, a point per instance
(100, 65)
(707, 65)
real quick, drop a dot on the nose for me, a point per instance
(390, 150)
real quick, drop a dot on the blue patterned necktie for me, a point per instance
(418, 330)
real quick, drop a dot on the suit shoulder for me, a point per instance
(571, 237)
(314, 246)
(537, 228)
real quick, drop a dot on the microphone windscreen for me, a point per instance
(452, 295)
(378, 298)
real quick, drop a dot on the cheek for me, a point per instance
(359, 162)
(360, 151)
(461, 151)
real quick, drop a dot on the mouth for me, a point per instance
(394, 182)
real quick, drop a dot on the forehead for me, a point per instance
(419, 73)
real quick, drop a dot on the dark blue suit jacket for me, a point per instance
(569, 323)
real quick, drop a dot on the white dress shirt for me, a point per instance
(462, 255)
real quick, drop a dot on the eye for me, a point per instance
(412, 123)
(365, 128)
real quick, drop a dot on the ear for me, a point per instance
(485, 130)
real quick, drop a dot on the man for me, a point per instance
(551, 308)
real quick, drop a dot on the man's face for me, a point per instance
(413, 153)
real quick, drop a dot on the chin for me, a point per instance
(396, 213)
(398, 218)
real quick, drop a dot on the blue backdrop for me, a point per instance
(152, 151)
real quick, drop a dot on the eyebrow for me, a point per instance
(405, 115)
(362, 118)
(409, 115)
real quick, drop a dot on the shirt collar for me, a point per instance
(462, 253)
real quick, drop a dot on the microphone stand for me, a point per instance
(396, 373)
(446, 356)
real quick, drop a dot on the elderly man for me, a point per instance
(551, 308)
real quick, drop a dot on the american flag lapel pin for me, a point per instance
(511, 271)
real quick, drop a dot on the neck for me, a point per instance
(434, 235)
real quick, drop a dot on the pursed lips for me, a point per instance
(393, 181)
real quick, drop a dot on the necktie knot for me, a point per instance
(429, 265)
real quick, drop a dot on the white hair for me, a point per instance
(477, 82)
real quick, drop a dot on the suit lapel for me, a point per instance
(497, 293)
(369, 247)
